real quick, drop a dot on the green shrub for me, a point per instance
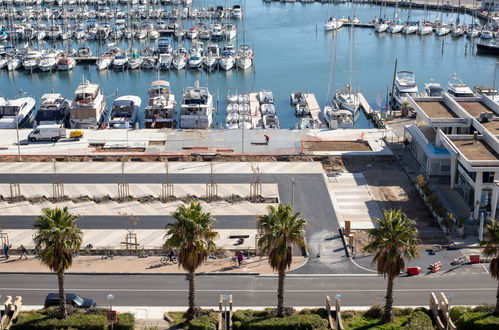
(375, 312)
(295, 322)
(83, 320)
(457, 311)
(477, 321)
(419, 320)
(485, 308)
(316, 311)
(402, 311)
(204, 322)
(420, 181)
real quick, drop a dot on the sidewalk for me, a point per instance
(133, 265)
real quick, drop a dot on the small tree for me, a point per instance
(491, 249)
(393, 239)
(57, 238)
(193, 237)
(280, 229)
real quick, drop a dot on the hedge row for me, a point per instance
(260, 320)
(91, 320)
(481, 318)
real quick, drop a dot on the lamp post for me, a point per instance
(449, 297)
(110, 298)
(337, 308)
(292, 191)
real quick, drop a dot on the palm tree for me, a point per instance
(280, 229)
(393, 239)
(491, 249)
(193, 237)
(57, 238)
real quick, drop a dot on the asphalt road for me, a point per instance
(249, 290)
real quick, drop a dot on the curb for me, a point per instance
(134, 273)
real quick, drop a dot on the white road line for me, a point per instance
(485, 269)
(248, 290)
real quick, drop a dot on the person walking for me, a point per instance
(267, 139)
(24, 252)
(6, 249)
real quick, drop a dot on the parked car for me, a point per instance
(71, 299)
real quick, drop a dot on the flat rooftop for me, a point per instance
(429, 132)
(475, 108)
(436, 109)
(478, 150)
(492, 126)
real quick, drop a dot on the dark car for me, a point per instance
(71, 299)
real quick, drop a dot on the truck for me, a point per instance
(52, 132)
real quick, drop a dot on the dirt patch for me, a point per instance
(336, 146)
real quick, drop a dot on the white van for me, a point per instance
(52, 132)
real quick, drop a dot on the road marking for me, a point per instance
(485, 269)
(356, 264)
(247, 290)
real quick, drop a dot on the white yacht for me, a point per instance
(338, 118)
(160, 109)
(48, 61)
(410, 28)
(405, 85)
(425, 29)
(442, 30)
(66, 64)
(14, 63)
(433, 89)
(346, 99)
(381, 26)
(457, 88)
(120, 61)
(396, 26)
(227, 62)
(54, 109)
(104, 62)
(332, 24)
(31, 59)
(18, 113)
(88, 107)
(125, 112)
(179, 61)
(196, 109)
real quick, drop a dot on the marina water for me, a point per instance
(292, 53)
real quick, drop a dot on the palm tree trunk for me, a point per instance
(280, 293)
(387, 315)
(62, 297)
(191, 312)
(497, 299)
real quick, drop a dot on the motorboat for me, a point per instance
(195, 62)
(48, 61)
(17, 113)
(346, 99)
(227, 62)
(196, 110)
(237, 12)
(179, 61)
(486, 34)
(210, 62)
(14, 63)
(265, 96)
(66, 63)
(31, 59)
(338, 118)
(149, 63)
(125, 112)
(332, 24)
(405, 85)
(229, 31)
(120, 61)
(192, 33)
(457, 88)
(433, 89)
(160, 109)
(267, 109)
(54, 109)
(244, 62)
(491, 48)
(270, 122)
(88, 107)
(164, 61)
(306, 123)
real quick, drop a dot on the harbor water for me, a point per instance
(292, 53)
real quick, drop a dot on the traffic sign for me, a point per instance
(111, 316)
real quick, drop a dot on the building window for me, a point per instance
(465, 189)
(488, 177)
(471, 175)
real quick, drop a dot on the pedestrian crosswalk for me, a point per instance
(160, 167)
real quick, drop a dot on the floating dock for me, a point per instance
(256, 116)
(373, 116)
(314, 108)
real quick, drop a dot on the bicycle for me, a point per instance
(234, 262)
(169, 259)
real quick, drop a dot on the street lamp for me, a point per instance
(337, 308)
(449, 297)
(110, 298)
(292, 191)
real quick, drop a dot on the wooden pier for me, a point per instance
(256, 116)
(373, 116)
(314, 108)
